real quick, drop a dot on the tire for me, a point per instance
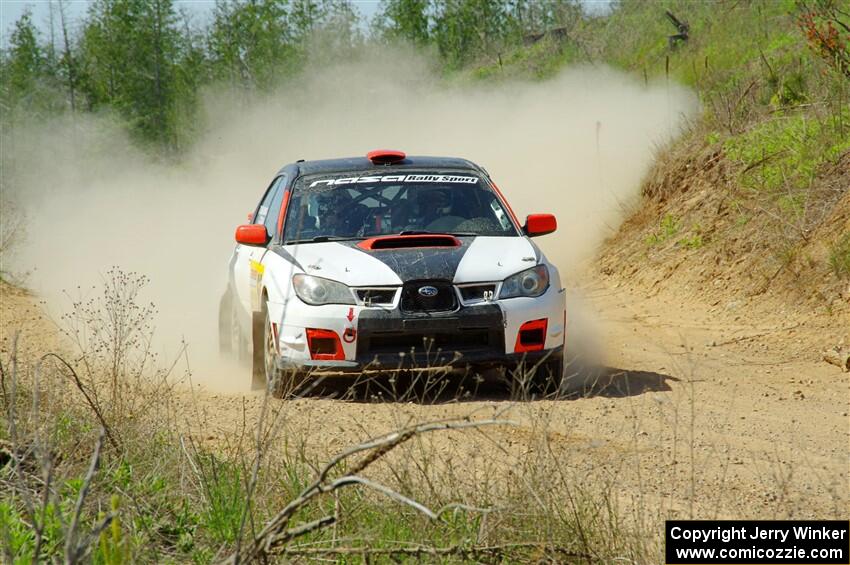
(259, 335)
(265, 373)
(548, 377)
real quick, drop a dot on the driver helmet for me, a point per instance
(435, 202)
(333, 205)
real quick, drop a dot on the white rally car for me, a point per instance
(389, 263)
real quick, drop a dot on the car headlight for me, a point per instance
(531, 282)
(318, 291)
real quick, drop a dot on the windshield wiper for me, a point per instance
(426, 232)
(324, 238)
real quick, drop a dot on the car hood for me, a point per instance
(476, 259)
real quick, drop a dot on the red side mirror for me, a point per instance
(539, 224)
(252, 234)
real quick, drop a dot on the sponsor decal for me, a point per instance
(256, 267)
(455, 179)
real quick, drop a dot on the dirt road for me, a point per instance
(701, 411)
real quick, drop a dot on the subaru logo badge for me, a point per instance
(428, 291)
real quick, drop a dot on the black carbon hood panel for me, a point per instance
(421, 263)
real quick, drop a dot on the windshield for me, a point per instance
(352, 206)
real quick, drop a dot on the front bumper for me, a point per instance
(386, 339)
(436, 362)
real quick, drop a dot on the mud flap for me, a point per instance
(258, 366)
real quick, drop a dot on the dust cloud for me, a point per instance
(576, 145)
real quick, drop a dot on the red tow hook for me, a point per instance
(349, 335)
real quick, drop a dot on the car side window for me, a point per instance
(274, 207)
(264, 207)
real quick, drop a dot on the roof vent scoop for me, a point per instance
(409, 241)
(385, 156)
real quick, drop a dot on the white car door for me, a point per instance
(247, 267)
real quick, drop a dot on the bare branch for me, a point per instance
(303, 529)
(274, 533)
(354, 479)
(89, 400)
(72, 551)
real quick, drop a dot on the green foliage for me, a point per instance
(20, 537)
(112, 548)
(476, 31)
(692, 241)
(839, 256)
(464, 29)
(667, 229)
(171, 520)
(742, 59)
(712, 138)
(130, 51)
(252, 43)
(17, 530)
(26, 58)
(785, 152)
(28, 72)
(406, 20)
(224, 497)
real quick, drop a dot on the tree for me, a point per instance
(129, 50)
(192, 71)
(29, 79)
(335, 33)
(464, 29)
(68, 62)
(250, 42)
(306, 16)
(406, 20)
(25, 60)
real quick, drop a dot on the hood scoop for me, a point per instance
(409, 242)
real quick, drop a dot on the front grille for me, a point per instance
(415, 299)
(376, 296)
(463, 340)
(477, 293)
(388, 337)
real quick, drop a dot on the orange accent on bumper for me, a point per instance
(318, 338)
(531, 336)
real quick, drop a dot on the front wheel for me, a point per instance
(266, 373)
(548, 376)
(260, 338)
(535, 380)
